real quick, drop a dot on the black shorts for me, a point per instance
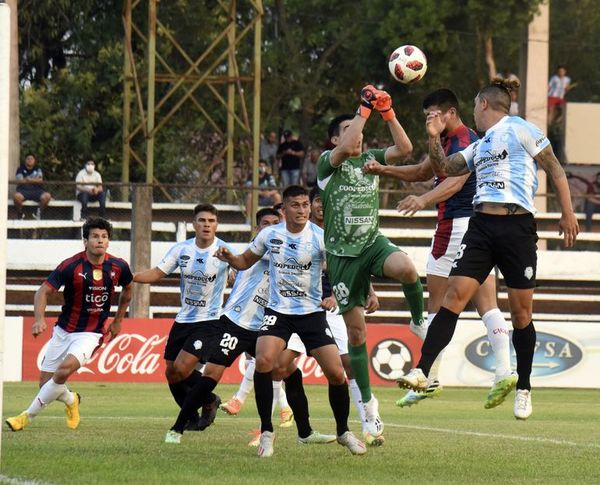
(508, 242)
(312, 328)
(230, 342)
(34, 192)
(197, 338)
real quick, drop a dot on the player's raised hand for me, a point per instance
(368, 94)
(410, 204)
(39, 326)
(434, 124)
(383, 104)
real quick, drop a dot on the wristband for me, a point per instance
(388, 115)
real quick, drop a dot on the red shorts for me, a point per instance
(554, 101)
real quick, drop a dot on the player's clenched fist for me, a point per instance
(383, 104)
(434, 124)
(223, 254)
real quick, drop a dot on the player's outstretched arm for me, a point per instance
(568, 224)
(149, 276)
(419, 172)
(40, 301)
(443, 191)
(237, 261)
(124, 299)
(451, 166)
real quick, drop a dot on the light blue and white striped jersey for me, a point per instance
(504, 164)
(249, 296)
(295, 262)
(203, 279)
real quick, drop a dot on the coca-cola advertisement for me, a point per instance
(136, 355)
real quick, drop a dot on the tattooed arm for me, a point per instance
(450, 166)
(568, 222)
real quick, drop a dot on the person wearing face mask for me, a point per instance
(89, 189)
(269, 196)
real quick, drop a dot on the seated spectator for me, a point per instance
(30, 187)
(309, 168)
(268, 197)
(89, 189)
(592, 202)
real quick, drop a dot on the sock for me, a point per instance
(413, 292)
(47, 393)
(247, 382)
(524, 342)
(355, 393)
(498, 332)
(198, 396)
(180, 389)
(282, 401)
(263, 393)
(67, 397)
(435, 367)
(298, 402)
(359, 360)
(276, 393)
(339, 401)
(438, 337)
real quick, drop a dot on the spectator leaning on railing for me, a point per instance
(30, 187)
(89, 189)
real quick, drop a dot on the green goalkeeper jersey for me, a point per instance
(350, 203)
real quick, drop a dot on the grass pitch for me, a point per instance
(450, 439)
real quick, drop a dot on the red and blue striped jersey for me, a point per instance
(88, 290)
(461, 203)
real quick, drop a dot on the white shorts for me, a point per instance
(338, 329)
(445, 244)
(79, 344)
(295, 344)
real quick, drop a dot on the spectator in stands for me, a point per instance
(558, 86)
(309, 168)
(30, 187)
(269, 195)
(290, 153)
(268, 149)
(89, 189)
(592, 202)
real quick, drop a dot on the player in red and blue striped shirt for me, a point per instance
(89, 279)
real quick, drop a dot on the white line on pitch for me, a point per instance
(388, 424)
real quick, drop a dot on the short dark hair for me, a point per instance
(497, 93)
(96, 223)
(266, 211)
(206, 208)
(444, 98)
(334, 125)
(278, 206)
(294, 191)
(313, 194)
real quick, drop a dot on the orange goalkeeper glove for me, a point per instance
(367, 97)
(383, 104)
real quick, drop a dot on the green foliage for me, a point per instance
(316, 56)
(451, 439)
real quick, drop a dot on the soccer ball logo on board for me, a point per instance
(391, 359)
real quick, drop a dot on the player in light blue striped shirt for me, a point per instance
(203, 280)
(502, 231)
(297, 255)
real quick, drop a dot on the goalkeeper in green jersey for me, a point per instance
(355, 247)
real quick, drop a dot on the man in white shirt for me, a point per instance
(89, 189)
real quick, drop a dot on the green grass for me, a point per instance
(451, 439)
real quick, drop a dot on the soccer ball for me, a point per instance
(407, 64)
(391, 359)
